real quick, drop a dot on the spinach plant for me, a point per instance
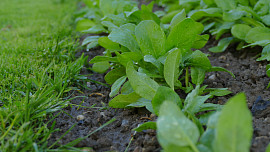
(102, 16)
(227, 130)
(247, 21)
(148, 57)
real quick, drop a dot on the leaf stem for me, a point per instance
(187, 77)
(195, 149)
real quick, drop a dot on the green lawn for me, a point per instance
(37, 67)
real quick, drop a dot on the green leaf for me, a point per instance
(125, 36)
(84, 24)
(171, 67)
(118, 19)
(183, 34)
(173, 128)
(125, 57)
(210, 107)
(142, 84)
(101, 67)
(234, 128)
(90, 39)
(265, 53)
(209, 2)
(267, 148)
(150, 38)
(240, 31)
(218, 91)
(260, 43)
(114, 74)
(208, 26)
(198, 59)
(126, 88)
(197, 75)
(150, 73)
(116, 86)
(258, 34)
(233, 15)
(97, 29)
(194, 102)
(89, 4)
(168, 17)
(109, 25)
(200, 41)
(207, 138)
(148, 7)
(121, 101)
(252, 22)
(222, 45)
(221, 29)
(262, 7)
(142, 103)
(145, 126)
(266, 19)
(155, 62)
(97, 59)
(243, 2)
(208, 12)
(163, 94)
(107, 6)
(108, 44)
(213, 68)
(178, 18)
(91, 45)
(226, 5)
(141, 15)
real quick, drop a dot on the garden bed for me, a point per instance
(250, 79)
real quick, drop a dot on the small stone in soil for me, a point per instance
(124, 122)
(260, 107)
(80, 117)
(212, 77)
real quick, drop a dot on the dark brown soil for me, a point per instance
(250, 79)
(115, 136)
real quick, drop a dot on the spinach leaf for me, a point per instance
(145, 126)
(197, 75)
(108, 44)
(198, 59)
(171, 67)
(222, 45)
(226, 5)
(163, 94)
(116, 86)
(265, 53)
(121, 101)
(124, 35)
(234, 126)
(150, 38)
(174, 129)
(240, 31)
(101, 67)
(142, 84)
(178, 18)
(114, 74)
(258, 34)
(183, 34)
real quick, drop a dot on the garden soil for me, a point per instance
(250, 78)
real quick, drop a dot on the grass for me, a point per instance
(37, 67)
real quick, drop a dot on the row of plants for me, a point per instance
(242, 22)
(149, 59)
